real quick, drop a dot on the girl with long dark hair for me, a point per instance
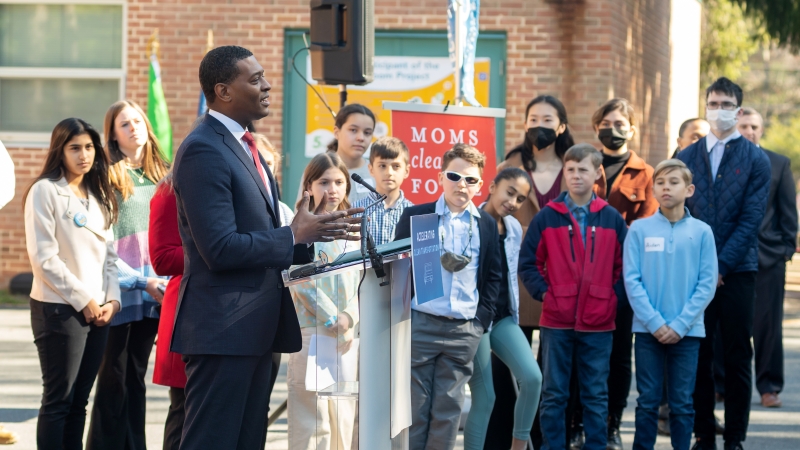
(69, 211)
(510, 189)
(137, 165)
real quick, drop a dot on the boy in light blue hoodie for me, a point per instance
(670, 271)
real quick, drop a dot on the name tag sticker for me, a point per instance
(654, 244)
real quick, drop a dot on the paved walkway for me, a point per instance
(20, 389)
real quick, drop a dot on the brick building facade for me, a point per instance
(582, 51)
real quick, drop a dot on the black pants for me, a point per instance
(173, 429)
(768, 328)
(226, 402)
(732, 308)
(70, 351)
(118, 416)
(619, 376)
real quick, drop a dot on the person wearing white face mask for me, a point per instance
(732, 182)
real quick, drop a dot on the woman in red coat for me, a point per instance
(166, 255)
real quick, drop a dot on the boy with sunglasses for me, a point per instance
(446, 331)
(571, 260)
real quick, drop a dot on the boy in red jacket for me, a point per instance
(571, 260)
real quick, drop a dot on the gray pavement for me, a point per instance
(20, 389)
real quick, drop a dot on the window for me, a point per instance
(59, 59)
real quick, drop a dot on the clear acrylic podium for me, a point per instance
(350, 389)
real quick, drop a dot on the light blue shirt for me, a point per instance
(716, 149)
(580, 213)
(670, 273)
(460, 299)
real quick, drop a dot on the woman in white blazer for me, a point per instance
(69, 210)
(505, 338)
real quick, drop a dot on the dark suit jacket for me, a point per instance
(778, 233)
(490, 265)
(231, 299)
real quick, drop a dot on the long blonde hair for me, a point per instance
(154, 165)
(314, 171)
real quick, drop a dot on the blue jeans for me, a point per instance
(681, 363)
(592, 351)
(509, 344)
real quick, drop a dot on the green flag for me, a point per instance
(157, 109)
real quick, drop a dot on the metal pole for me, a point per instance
(342, 96)
(458, 32)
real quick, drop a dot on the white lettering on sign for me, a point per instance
(425, 162)
(440, 132)
(415, 182)
(426, 235)
(418, 136)
(456, 138)
(431, 186)
(654, 244)
(473, 137)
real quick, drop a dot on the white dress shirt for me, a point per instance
(716, 149)
(460, 299)
(238, 132)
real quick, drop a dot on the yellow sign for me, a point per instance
(397, 78)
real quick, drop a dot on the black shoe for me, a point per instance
(733, 446)
(576, 442)
(663, 427)
(718, 426)
(614, 440)
(704, 445)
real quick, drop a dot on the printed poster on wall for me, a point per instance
(411, 79)
(429, 132)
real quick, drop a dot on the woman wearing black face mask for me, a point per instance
(627, 185)
(547, 139)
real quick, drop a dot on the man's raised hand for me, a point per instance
(323, 226)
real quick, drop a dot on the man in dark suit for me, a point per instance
(233, 310)
(776, 245)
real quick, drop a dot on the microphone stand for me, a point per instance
(368, 247)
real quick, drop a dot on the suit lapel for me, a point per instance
(485, 241)
(239, 151)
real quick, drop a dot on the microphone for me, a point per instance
(357, 178)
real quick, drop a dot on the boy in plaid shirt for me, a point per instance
(389, 166)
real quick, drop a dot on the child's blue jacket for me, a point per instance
(670, 273)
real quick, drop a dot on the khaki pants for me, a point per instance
(316, 423)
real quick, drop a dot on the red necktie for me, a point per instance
(251, 143)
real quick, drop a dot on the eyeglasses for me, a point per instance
(456, 177)
(727, 106)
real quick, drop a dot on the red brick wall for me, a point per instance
(578, 50)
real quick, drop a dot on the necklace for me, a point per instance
(139, 174)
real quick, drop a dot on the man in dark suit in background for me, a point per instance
(233, 310)
(776, 245)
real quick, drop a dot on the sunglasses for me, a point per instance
(455, 177)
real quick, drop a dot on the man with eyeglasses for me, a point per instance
(732, 181)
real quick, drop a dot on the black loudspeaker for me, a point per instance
(342, 41)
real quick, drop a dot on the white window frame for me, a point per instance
(42, 140)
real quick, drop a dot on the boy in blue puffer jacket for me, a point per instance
(731, 176)
(670, 272)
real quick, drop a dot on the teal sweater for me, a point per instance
(670, 273)
(130, 241)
